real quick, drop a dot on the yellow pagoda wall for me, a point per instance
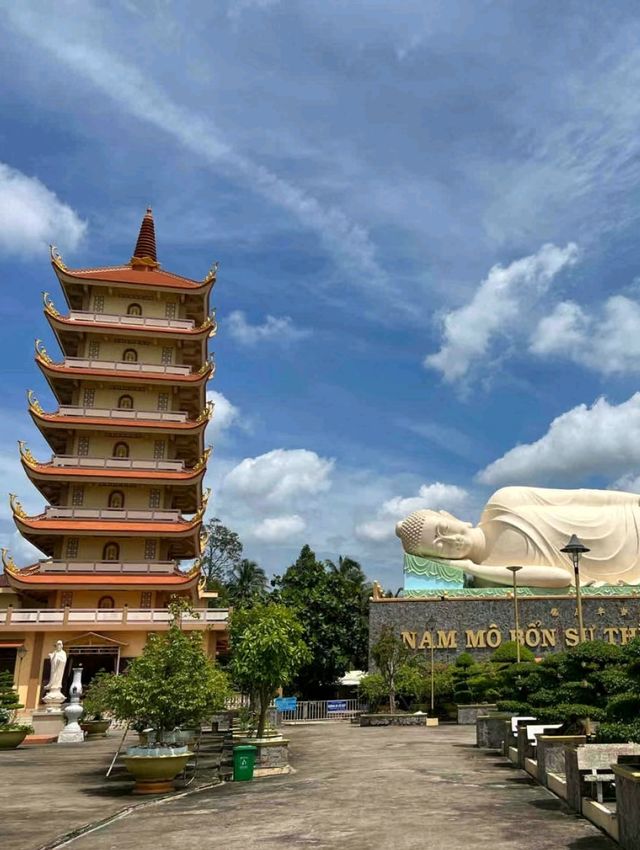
(145, 398)
(141, 446)
(97, 495)
(131, 548)
(147, 353)
(152, 305)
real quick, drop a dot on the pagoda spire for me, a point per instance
(145, 250)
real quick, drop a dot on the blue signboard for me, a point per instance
(286, 703)
(336, 705)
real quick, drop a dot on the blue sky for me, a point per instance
(426, 217)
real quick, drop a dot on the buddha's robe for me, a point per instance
(529, 526)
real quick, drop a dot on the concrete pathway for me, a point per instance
(357, 789)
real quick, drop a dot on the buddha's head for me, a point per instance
(437, 534)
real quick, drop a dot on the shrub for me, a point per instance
(96, 698)
(545, 696)
(618, 733)
(590, 656)
(10, 705)
(465, 659)
(615, 680)
(512, 705)
(373, 689)
(582, 693)
(623, 707)
(565, 711)
(507, 653)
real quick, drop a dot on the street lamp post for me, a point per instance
(514, 571)
(575, 548)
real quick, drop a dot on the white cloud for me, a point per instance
(436, 496)
(280, 476)
(496, 308)
(225, 414)
(279, 529)
(600, 440)
(32, 216)
(278, 329)
(608, 343)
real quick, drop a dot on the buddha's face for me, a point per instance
(435, 533)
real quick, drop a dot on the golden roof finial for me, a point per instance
(48, 305)
(34, 404)
(16, 507)
(203, 460)
(25, 453)
(206, 414)
(41, 352)
(8, 562)
(56, 258)
(212, 273)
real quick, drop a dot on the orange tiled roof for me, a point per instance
(56, 580)
(181, 528)
(125, 424)
(62, 369)
(155, 475)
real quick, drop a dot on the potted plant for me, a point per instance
(172, 686)
(12, 734)
(95, 704)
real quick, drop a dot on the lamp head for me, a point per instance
(575, 546)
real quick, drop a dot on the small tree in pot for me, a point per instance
(12, 734)
(95, 704)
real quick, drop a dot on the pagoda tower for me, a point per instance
(124, 484)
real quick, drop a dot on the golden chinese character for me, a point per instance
(624, 611)
(601, 611)
(555, 612)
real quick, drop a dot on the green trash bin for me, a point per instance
(244, 759)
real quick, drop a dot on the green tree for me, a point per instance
(330, 606)
(173, 684)
(267, 649)
(390, 656)
(247, 584)
(221, 555)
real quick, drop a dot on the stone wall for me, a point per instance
(480, 625)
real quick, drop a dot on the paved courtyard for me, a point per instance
(353, 789)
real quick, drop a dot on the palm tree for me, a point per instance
(348, 569)
(247, 584)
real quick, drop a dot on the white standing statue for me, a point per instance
(528, 527)
(58, 659)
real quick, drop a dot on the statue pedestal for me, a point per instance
(47, 722)
(72, 733)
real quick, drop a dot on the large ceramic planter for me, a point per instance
(95, 728)
(155, 774)
(12, 738)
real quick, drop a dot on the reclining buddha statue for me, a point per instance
(528, 527)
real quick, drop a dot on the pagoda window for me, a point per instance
(167, 355)
(116, 499)
(154, 498)
(134, 310)
(106, 602)
(170, 310)
(150, 550)
(98, 304)
(159, 449)
(163, 401)
(125, 402)
(66, 599)
(130, 355)
(145, 599)
(121, 450)
(77, 497)
(83, 446)
(88, 398)
(111, 552)
(71, 548)
(93, 350)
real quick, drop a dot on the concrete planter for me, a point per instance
(12, 738)
(491, 730)
(587, 757)
(468, 714)
(95, 728)
(393, 720)
(628, 805)
(272, 757)
(155, 774)
(551, 758)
